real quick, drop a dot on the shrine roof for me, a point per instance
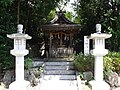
(60, 22)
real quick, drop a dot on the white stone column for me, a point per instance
(99, 51)
(19, 69)
(19, 52)
(98, 70)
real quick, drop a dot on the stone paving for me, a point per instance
(58, 85)
(116, 88)
(84, 87)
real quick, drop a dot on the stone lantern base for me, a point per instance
(23, 85)
(99, 85)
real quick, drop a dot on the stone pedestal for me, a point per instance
(99, 51)
(22, 85)
(99, 85)
(19, 52)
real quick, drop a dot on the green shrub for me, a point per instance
(6, 59)
(115, 60)
(113, 54)
(116, 64)
(28, 63)
(111, 63)
(108, 65)
(84, 63)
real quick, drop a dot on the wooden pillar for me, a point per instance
(60, 39)
(71, 39)
(50, 46)
(50, 41)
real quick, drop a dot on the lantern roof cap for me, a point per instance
(99, 36)
(19, 36)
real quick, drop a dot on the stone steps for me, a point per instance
(67, 67)
(64, 63)
(59, 77)
(59, 72)
(37, 63)
(56, 68)
(62, 70)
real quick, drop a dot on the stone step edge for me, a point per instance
(59, 77)
(59, 72)
(59, 67)
(58, 64)
(57, 82)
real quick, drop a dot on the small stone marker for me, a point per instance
(86, 45)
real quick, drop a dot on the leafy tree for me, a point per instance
(32, 13)
(7, 26)
(106, 12)
(69, 15)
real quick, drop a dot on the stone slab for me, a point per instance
(58, 63)
(59, 67)
(99, 85)
(23, 85)
(37, 63)
(59, 77)
(59, 72)
(58, 85)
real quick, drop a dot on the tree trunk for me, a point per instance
(18, 12)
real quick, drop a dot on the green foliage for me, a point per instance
(108, 66)
(69, 15)
(106, 12)
(51, 15)
(84, 63)
(28, 63)
(111, 63)
(7, 26)
(32, 14)
(6, 60)
(36, 11)
(115, 57)
(113, 54)
(6, 2)
(116, 64)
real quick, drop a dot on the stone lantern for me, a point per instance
(19, 52)
(99, 51)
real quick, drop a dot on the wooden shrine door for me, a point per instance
(60, 44)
